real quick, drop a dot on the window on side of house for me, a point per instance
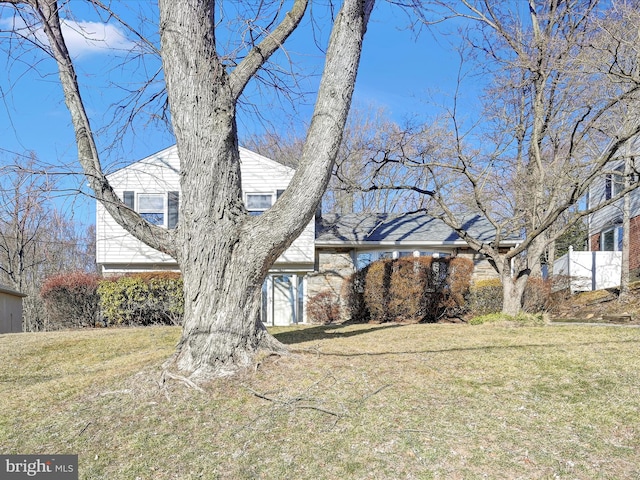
(257, 203)
(611, 239)
(614, 183)
(151, 207)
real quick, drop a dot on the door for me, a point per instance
(284, 297)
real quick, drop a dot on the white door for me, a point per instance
(284, 296)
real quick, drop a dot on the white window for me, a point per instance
(614, 183)
(611, 239)
(259, 202)
(151, 207)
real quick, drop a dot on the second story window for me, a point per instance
(151, 207)
(160, 209)
(259, 202)
(614, 184)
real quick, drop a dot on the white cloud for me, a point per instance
(82, 38)
(85, 38)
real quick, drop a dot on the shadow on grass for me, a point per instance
(480, 348)
(323, 332)
(327, 332)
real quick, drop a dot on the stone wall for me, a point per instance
(482, 269)
(333, 267)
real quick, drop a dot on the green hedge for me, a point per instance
(485, 297)
(143, 299)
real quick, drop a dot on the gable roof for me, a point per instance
(409, 229)
(168, 158)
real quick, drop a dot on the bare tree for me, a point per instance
(36, 239)
(559, 79)
(224, 254)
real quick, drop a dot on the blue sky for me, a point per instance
(397, 70)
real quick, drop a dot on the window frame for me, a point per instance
(258, 210)
(616, 240)
(614, 183)
(153, 211)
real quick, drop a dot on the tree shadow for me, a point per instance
(480, 348)
(323, 332)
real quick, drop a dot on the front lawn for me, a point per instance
(360, 401)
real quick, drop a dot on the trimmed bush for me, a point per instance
(353, 295)
(71, 300)
(459, 276)
(417, 289)
(324, 308)
(142, 299)
(537, 295)
(376, 293)
(485, 297)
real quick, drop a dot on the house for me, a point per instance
(329, 249)
(151, 186)
(600, 266)
(349, 242)
(10, 310)
(605, 225)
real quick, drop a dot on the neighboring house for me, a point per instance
(10, 310)
(605, 225)
(327, 251)
(600, 266)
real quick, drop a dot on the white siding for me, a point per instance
(611, 214)
(160, 173)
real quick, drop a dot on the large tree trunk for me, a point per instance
(513, 293)
(225, 254)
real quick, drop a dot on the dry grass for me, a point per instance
(382, 402)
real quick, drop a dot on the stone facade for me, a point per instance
(332, 268)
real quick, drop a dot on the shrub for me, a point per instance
(459, 275)
(485, 297)
(537, 295)
(408, 289)
(353, 295)
(71, 300)
(142, 299)
(377, 290)
(324, 308)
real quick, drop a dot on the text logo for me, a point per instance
(49, 467)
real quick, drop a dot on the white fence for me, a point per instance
(589, 270)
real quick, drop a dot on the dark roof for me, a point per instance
(410, 229)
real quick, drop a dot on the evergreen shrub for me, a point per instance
(485, 297)
(142, 299)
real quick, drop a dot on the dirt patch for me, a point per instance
(599, 306)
